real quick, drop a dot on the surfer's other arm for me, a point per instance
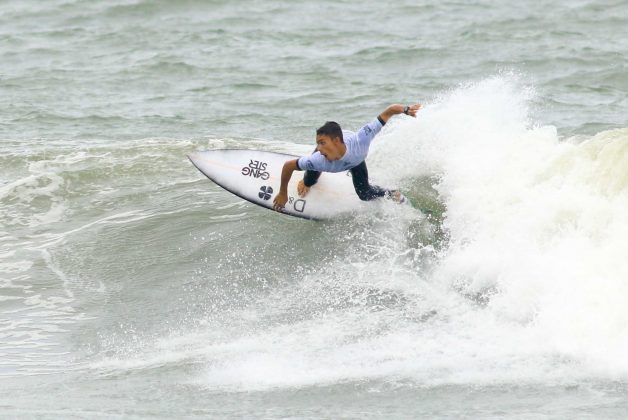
(286, 173)
(399, 109)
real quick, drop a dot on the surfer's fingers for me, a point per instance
(277, 206)
(412, 111)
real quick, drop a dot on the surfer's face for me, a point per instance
(330, 148)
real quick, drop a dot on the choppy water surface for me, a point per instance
(131, 286)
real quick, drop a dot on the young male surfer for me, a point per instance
(340, 150)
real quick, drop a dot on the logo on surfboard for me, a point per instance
(256, 169)
(265, 192)
(297, 205)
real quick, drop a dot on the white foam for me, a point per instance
(540, 221)
(530, 285)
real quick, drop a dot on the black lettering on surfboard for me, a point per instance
(256, 169)
(299, 205)
(265, 192)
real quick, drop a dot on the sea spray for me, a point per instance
(537, 225)
(529, 287)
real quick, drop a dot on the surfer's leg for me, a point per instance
(363, 189)
(310, 178)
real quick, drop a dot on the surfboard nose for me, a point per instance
(197, 159)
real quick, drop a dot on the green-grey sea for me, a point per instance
(133, 287)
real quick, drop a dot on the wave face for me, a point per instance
(510, 271)
(131, 286)
(519, 278)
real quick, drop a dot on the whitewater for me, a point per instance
(133, 287)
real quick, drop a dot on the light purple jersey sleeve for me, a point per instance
(369, 131)
(313, 162)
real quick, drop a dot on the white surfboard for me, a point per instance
(255, 176)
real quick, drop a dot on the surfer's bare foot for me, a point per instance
(302, 189)
(397, 197)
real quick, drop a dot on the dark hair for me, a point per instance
(331, 129)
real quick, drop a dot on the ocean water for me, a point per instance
(133, 287)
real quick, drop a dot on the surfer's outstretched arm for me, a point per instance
(399, 109)
(286, 173)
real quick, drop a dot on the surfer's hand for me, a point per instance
(302, 189)
(280, 201)
(412, 110)
(395, 109)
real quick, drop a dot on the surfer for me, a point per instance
(340, 150)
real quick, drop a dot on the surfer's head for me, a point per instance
(329, 141)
